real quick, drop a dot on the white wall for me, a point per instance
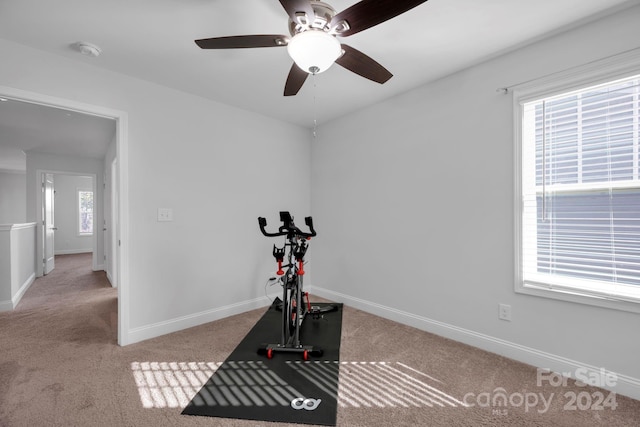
(217, 167)
(13, 197)
(414, 204)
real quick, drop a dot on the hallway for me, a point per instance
(71, 291)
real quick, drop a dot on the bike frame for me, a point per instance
(293, 309)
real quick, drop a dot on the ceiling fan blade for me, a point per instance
(369, 13)
(295, 80)
(238, 42)
(298, 6)
(359, 63)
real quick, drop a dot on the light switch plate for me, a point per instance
(165, 214)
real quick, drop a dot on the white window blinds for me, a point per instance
(581, 190)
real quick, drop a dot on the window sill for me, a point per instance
(576, 296)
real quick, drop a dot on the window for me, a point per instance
(85, 212)
(578, 213)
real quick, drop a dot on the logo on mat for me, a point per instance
(302, 403)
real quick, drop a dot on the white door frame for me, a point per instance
(122, 155)
(113, 226)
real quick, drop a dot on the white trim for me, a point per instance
(578, 296)
(122, 154)
(625, 385)
(122, 248)
(109, 278)
(180, 323)
(9, 227)
(73, 251)
(23, 289)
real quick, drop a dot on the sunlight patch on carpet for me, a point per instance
(170, 384)
(361, 384)
(377, 384)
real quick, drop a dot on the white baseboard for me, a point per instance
(13, 303)
(173, 325)
(72, 251)
(625, 385)
(110, 279)
(6, 305)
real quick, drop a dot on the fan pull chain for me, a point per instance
(315, 121)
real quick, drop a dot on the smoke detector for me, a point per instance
(87, 49)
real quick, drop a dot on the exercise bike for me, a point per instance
(293, 305)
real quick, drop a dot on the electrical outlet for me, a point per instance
(504, 312)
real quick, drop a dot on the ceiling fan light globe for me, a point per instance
(314, 51)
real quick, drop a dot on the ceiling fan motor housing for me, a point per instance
(323, 15)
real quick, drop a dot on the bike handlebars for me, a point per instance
(288, 228)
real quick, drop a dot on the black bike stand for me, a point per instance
(316, 312)
(307, 350)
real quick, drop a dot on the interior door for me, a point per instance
(48, 198)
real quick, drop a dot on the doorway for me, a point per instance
(70, 221)
(119, 234)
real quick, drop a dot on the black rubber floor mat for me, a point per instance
(285, 388)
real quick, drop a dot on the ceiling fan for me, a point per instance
(313, 45)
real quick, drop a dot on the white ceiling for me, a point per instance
(26, 126)
(153, 40)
